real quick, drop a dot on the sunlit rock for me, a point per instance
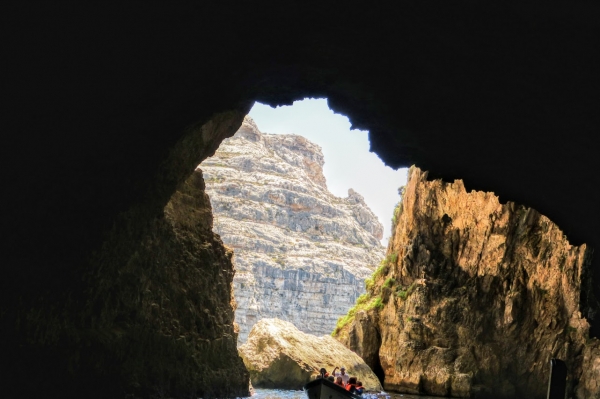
(301, 253)
(475, 298)
(278, 355)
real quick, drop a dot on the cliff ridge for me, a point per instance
(301, 253)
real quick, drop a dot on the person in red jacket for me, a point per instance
(359, 388)
(351, 385)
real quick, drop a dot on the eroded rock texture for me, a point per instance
(278, 355)
(589, 382)
(301, 253)
(477, 297)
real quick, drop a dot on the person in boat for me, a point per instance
(333, 373)
(359, 388)
(342, 374)
(331, 378)
(339, 381)
(351, 385)
(323, 373)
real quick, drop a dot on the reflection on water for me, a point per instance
(283, 394)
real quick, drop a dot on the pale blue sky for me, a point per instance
(348, 162)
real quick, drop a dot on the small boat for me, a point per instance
(322, 388)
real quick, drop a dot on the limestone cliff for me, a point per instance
(475, 298)
(301, 254)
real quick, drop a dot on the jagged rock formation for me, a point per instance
(301, 254)
(476, 298)
(278, 355)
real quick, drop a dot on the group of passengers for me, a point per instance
(344, 380)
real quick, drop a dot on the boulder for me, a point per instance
(278, 355)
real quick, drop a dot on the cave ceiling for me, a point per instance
(504, 96)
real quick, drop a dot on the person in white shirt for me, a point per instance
(342, 374)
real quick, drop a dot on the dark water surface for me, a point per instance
(284, 394)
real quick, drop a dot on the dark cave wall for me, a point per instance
(455, 89)
(503, 96)
(151, 314)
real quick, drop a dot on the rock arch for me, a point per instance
(100, 98)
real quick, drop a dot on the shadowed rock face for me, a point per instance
(152, 312)
(301, 253)
(96, 99)
(478, 295)
(278, 355)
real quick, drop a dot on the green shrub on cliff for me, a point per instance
(380, 270)
(377, 303)
(384, 265)
(401, 294)
(364, 302)
(362, 299)
(342, 321)
(392, 258)
(404, 293)
(389, 282)
(398, 209)
(396, 216)
(401, 191)
(369, 284)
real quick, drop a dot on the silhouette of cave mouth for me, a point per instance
(99, 99)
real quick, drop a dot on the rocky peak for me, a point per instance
(293, 149)
(249, 130)
(298, 151)
(301, 253)
(363, 215)
(355, 197)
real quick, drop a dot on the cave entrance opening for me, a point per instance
(306, 209)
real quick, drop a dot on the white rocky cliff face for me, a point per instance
(301, 253)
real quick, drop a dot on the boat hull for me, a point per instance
(325, 389)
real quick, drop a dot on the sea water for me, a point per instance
(285, 394)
